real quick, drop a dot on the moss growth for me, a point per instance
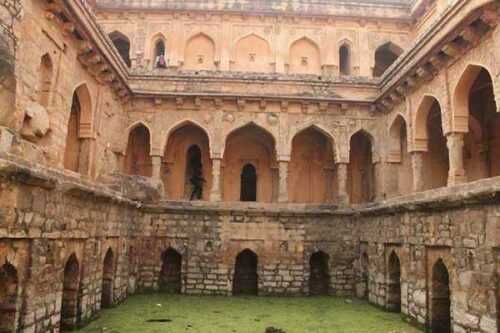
(169, 313)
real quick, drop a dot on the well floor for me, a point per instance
(157, 313)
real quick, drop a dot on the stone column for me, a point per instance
(215, 191)
(417, 158)
(283, 181)
(156, 170)
(343, 197)
(456, 172)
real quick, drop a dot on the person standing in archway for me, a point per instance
(197, 181)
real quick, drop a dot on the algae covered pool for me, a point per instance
(163, 313)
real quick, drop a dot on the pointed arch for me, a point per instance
(440, 298)
(421, 136)
(399, 156)
(311, 169)
(171, 271)
(360, 172)
(304, 57)
(250, 144)
(319, 274)
(183, 123)
(158, 51)
(394, 283)
(138, 154)
(385, 55)
(122, 45)
(346, 57)
(45, 80)
(396, 130)
(70, 296)
(321, 129)
(245, 279)
(108, 276)
(252, 53)
(199, 53)
(180, 174)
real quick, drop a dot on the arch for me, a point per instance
(311, 168)
(137, 157)
(45, 80)
(122, 45)
(364, 278)
(475, 106)
(248, 191)
(9, 285)
(245, 280)
(252, 53)
(345, 59)
(183, 123)
(429, 138)
(70, 295)
(158, 53)
(255, 145)
(319, 274)
(394, 283)
(424, 107)
(171, 272)
(360, 172)
(199, 53)
(398, 154)
(304, 57)
(108, 276)
(175, 169)
(440, 298)
(385, 55)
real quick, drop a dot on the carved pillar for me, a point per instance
(283, 181)
(215, 191)
(456, 171)
(417, 158)
(156, 172)
(343, 196)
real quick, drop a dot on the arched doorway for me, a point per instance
(187, 150)
(108, 272)
(138, 158)
(71, 284)
(345, 60)
(194, 180)
(363, 292)
(441, 317)
(245, 280)
(394, 283)
(248, 183)
(399, 157)
(73, 142)
(160, 55)
(319, 274)
(171, 272)
(250, 145)
(361, 174)
(311, 169)
(482, 142)
(122, 44)
(385, 56)
(8, 297)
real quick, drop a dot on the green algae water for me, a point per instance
(161, 313)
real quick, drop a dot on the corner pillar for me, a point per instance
(283, 181)
(215, 191)
(417, 160)
(343, 197)
(456, 171)
(156, 172)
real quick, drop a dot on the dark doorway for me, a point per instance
(122, 44)
(319, 279)
(170, 275)
(8, 298)
(365, 275)
(441, 318)
(194, 174)
(248, 183)
(245, 274)
(107, 280)
(69, 308)
(394, 284)
(344, 60)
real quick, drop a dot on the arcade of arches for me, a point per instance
(348, 151)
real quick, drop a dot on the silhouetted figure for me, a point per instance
(197, 181)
